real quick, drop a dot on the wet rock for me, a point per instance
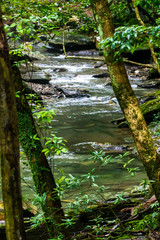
(34, 95)
(49, 90)
(146, 99)
(149, 109)
(29, 69)
(42, 90)
(100, 65)
(43, 37)
(137, 72)
(102, 75)
(153, 83)
(71, 93)
(38, 80)
(59, 70)
(140, 55)
(73, 42)
(90, 52)
(109, 148)
(16, 58)
(153, 73)
(108, 82)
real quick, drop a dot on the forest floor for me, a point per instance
(132, 217)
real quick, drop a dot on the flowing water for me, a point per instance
(86, 123)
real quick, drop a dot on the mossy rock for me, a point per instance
(149, 109)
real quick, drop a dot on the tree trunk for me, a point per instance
(127, 99)
(9, 147)
(42, 174)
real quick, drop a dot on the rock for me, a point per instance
(59, 70)
(99, 65)
(153, 73)
(87, 52)
(43, 37)
(38, 80)
(30, 68)
(16, 57)
(29, 90)
(109, 148)
(140, 55)
(148, 108)
(71, 93)
(153, 83)
(73, 42)
(102, 75)
(137, 72)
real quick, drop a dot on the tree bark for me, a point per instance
(127, 99)
(9, 147)
(41, 172)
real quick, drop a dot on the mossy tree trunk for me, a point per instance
(9, 147)
(41, 171)
(127, 98)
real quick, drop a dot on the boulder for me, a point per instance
(73, 42)
(38, 80)
(109, 148)
(71, 93)
(152, 83)
(102, 75)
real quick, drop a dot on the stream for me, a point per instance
(86, 125)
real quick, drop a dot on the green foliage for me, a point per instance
(123, 12)
(101, 157)
(54, 144)
(128, 39)
(142, 188)
(150, 220)
(44, 116)
(27, 20)
(119, 198)
(98, 227)
(27, 131)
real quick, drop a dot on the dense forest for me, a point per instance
(98, 64)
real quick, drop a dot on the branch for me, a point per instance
(139, 64)
(103, 59)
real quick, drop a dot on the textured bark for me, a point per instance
(9, 147)
(127, 99)
(42, 174)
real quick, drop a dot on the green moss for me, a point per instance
(151, 106)
(26, 134)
